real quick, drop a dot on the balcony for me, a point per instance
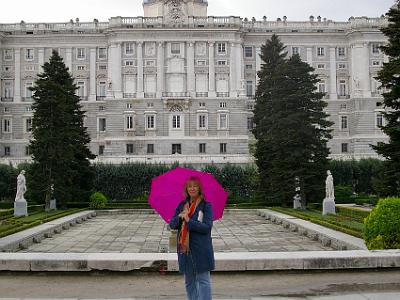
(175, 94)
(100, 98)
(129, 95)
(7, 99)
(149, 95)
(222, 94)
(201, 94)
(343, 96)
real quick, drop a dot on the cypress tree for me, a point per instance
(291, 127)
(389, 76)
(59, 145)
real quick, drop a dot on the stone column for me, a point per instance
(333, 75)
(17, 70)
(310, 56)
(258, 63)
(240, 70)
(116, 70)
(360, 78)
(211, 75)
(232, 71)
(160, 69)
(41, 59)
(139, 89)
(68, 59)
(92, 83)
(190, 70)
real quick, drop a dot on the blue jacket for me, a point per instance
(201, 253)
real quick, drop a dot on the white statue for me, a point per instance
(329, 189)
(328, 205)
(21, 187)
(297, 201)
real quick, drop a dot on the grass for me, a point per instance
(343, 221)
(15, 224)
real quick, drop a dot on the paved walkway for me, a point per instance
(238, 231)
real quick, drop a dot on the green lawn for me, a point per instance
(350, 221)
(12, 225)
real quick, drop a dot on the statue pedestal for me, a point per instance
(328, 206)
(53, 204)
(296, 203)
(20, 208)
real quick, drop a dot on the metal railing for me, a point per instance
(201, 94)
(100, 98)
(175, 94)
(7, 99)
(149, 95)
(222, 94)
(129, 95)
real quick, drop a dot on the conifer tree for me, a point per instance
(290, 127)
(59, 145)
(389, 76)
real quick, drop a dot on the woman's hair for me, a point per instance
(195, 180)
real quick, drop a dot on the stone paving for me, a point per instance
(242, 231)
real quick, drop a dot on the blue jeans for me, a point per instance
(198, 285)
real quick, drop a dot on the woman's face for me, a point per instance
(193, 189)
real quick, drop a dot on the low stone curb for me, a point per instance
(233, 261)
(328, 237)
(25, 238)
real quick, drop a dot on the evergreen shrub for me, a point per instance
(381, 229)
(98, 200)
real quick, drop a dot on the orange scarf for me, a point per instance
(183, 239)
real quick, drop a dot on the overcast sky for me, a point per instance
(86, 10)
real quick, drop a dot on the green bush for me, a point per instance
(343, 194)
(381, 229)
(98, 200)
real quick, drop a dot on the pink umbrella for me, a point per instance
(167, 191)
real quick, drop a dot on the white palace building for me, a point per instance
(178, 85)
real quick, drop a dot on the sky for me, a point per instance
(86, 10)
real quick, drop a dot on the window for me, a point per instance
(150, 122)
(102, 89)
(28, 54)
(202, 148)
(101, 150)
(221, 62)
(375, 49)
(28, 125)
(249, 88)
(80, 53)
(102, 53)
(249, 67)
(129, 63)
(129, 122)
(81, 68)
(341, 51)
(201, 62)
(202, 122)
(376, 63)
(28, 92)
(8, 90)
(345, 148)
(176, 149)
(102, 67)
(6, 125)
(176, 122)
(250, 106)
(342, 88)
(295, 50)
(250, 123)
(150, 63)
(7, 151)
(129, 106)
(129, 48)
(80, 89)
(379, 120)
(129, 148)
(102, 124)
(321, 87)
(202, 104)
(342, 66)
(343, 122)
(222, 104)
(8, 54)
(150, 148)
(221, 48)
(27, 151)
(222, 148)
(320, 51)
(248, 51)
(321, 66)
(102, 108)
(223, 121)
(175, 48)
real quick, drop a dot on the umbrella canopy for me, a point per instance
(167, 191)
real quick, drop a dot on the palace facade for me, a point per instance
(178, 85)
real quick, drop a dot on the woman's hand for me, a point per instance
(184, 215)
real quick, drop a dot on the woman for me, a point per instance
(193, 219)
